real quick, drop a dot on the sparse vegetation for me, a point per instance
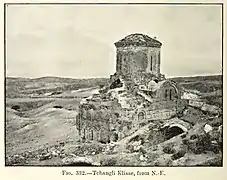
(41, 127)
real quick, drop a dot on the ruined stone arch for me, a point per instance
(168, 90)
(141, 115)
(179, 126)
(174, 130)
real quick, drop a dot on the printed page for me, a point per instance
(113, 89)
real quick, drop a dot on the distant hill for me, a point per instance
(16, 87)
(197, 78)
(204, 84)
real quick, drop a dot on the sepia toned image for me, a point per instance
(133, 85)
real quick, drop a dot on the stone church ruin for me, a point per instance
(137, 94)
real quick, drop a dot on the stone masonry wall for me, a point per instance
(134, 61)
(94, 124)
(131, 60)
(155, 55)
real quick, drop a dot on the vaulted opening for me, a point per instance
(141, 116)
(173, 131)
(169, 93)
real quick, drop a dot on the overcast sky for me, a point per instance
(77, 40)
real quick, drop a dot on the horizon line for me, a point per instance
(100, 77)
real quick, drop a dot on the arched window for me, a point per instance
(120, 63)
(84, 133)
(92, 134)
(141, 116)
(166, 94)
(78, 121)
(170, 94)
(151, 64)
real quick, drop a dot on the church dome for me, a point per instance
(138, 39)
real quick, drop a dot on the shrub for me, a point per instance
(199, 144)
(16, 107)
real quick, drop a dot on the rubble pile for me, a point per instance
(68, 154)
(86, 149)
(41, 154)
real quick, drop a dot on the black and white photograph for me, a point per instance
(114, 84)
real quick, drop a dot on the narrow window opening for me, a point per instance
(92, 135)
(97, 135)
(151, 64)
(170, 94)
(84, 133)
(120, 63)
(166, 92)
